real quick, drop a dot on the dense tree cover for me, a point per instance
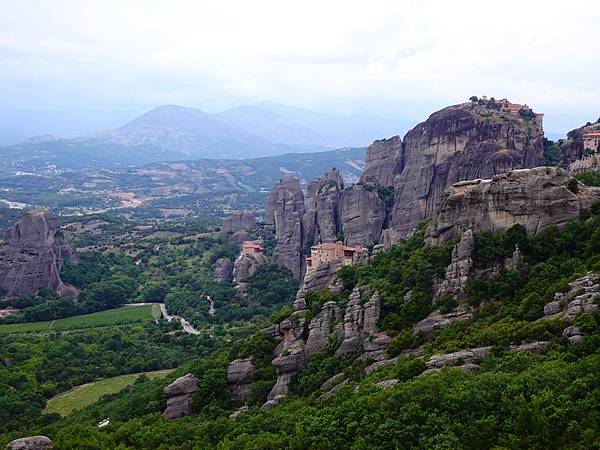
(37, 366)
(589, 178)
(518, 400)
(551, 152)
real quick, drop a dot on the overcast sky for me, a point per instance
(386, 58)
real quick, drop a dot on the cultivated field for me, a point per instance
(86, 394)
(118, 316)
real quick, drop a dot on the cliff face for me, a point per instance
(285, 212)
(534, 198)
(363, 215)
(384, 160)
(33, 256)
(322, 220)
(242, 221)
(575, 146)
(459, 143)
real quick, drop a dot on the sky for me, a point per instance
(394, 59)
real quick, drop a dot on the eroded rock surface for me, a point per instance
(322, 220)
(363, 215)
(223, 270)
(242, 221)
(33, 255)
(239, 376)
(534, 198)
(179, 396)
(30, 443)
(285, 212)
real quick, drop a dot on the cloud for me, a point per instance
(398, 58)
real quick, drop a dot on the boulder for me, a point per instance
(386, 384)
(436, 321)
(458, 358)
(179, 396)
(239, 376)
(30, 443)
(33, 255)
(333, 381)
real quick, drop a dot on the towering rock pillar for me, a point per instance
(285, 212)
(33, 255)
(322, 220)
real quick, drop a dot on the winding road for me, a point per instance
(187, 327)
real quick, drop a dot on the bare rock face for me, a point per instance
(239, 376)
(438, 321)
(179, 396)
(321, 327)
(461, 142)
(285, 212)
(30, 443)
(223, 270)
(575, 146)
(33, 255)
(383, 162)
(322, 220)
(239, 237)
(534, 198)
(246, 265)
(457, 358)
(361, 334)
(242, 221)
(363, 215)
(457, 273)
(582, 296)
(291, 358)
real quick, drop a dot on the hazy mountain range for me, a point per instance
(172, 132)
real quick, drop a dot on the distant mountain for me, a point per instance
(172, 132)
(297, 126)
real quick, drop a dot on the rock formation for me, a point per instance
(242, 221)
(33, 255)
(285, 212)
(575, 146)
(179, 396)
(534, 198)
(458, 143)
(322, 220)
(30, 443)
(246, 265)
(363, 215)
(239, 376)
(223, 270)
(383, 162)
(457, 273)
(328, 322)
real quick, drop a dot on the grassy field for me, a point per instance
(118, 316)
(84, 395)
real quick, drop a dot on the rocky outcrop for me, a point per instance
(242, 221)
(575, 147)
(457, 273)
(322, 220)
(30, 443)
(239, 376)
(436, 321)
(326, 324)
(246, 265)
(461, 142)
(361, 334)
(534, 198)
(179, 396)
(583, 296)
(457, 358)
(383, 162)
(223, 270)
(285, 212)
(33, 255)
(363, 215)
(291, 357)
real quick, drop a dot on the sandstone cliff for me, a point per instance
(575, 147)
(534, 198)
(363, 215)
(223, 270)
(33, 255)
(322, 220)
(242, 221)
(285, 212)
